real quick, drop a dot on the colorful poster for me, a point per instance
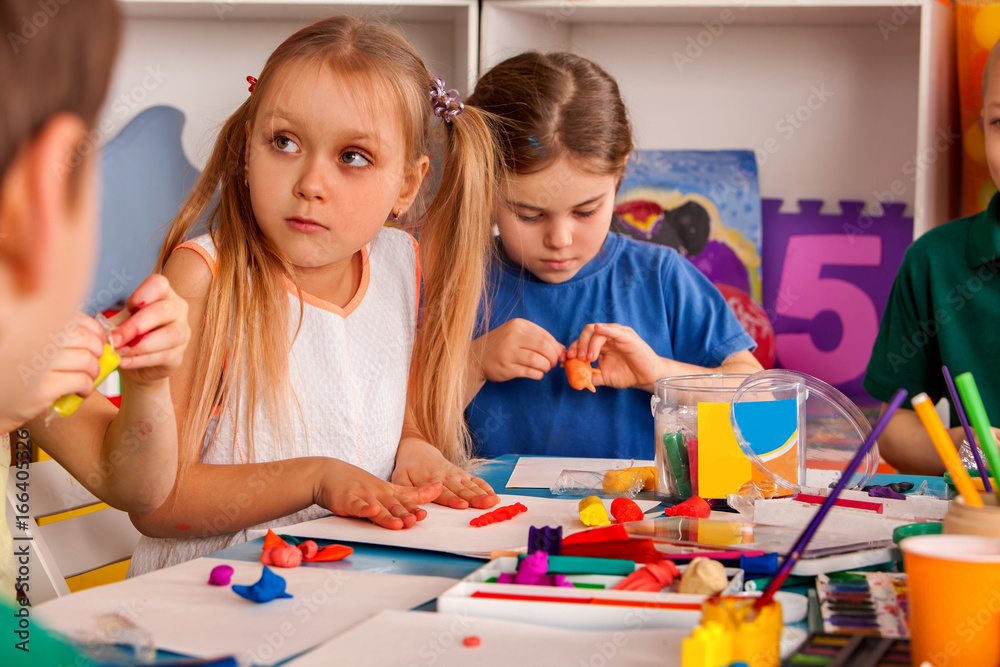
(706, 204)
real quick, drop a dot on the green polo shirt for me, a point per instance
(944, 310)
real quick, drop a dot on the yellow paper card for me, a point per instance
(722, 466)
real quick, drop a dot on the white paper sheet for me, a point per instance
(186, 615)
(394, 638)
(446, 529)
(541, 472)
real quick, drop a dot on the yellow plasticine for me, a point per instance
(592, 512)
(710, 645)
(68, 404)
(621, 480)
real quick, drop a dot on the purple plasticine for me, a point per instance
(807, 534)
(885, 492)
(546, 538)
(968, 430)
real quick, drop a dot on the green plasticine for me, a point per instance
(675, 448)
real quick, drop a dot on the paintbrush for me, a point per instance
(810, 530)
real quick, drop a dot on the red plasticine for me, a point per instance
(182, 526)
(272, 540)
(695, 506)
(625, 510)
(499, 514)
(471, 641)
(840, 502)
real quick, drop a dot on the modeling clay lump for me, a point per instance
(499, 514)
(592, 512)
(621, 480)
(625, 510)
(695, 506)
(580, 374)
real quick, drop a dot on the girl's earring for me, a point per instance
(395, 216)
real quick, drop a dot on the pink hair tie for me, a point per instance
(446, 104)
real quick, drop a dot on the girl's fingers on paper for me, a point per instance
(420, 494)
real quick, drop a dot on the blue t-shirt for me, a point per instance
(650, 288)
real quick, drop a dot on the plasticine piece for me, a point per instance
(764, 565)
(281, 556)
(695, 506)
(471, 641)
(506, 577)
(652, 578)
(220, 575)
(272, 540)
(267, 588)
(703, 576)
(592, 512)
(330, 553)
(580, 374)
(885, 492)
(499, 514)
(676, 454)
(621, 480)
(308, 549)
(609, 533)
(625, 510)
(545, 539)
(532, 568)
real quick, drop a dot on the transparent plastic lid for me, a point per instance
(799, 431)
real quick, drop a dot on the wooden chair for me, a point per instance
(74, 540)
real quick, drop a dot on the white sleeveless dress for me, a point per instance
(348, 369)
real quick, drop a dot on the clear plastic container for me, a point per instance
(675, 404)
(795, 430)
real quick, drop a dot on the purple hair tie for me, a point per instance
(445, 102)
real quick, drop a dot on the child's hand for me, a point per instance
(418, 460)
(152, 340)
(623, 358)
(72, 369)
(517, 348)
(347, 490)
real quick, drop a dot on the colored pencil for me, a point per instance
(810, 530)
(946, 448)
(969, 392)
(968, 429)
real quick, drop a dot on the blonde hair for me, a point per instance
(455, 240)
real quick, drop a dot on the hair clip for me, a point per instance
(445, 102)
(253, 82)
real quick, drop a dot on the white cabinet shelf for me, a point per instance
(196, 54)
(840, 100)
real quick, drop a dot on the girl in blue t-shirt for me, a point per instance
(641, 311)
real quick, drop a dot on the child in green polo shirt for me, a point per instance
(943, 312)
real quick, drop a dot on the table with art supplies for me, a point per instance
(593, 562)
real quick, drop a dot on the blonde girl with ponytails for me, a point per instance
(328, 349)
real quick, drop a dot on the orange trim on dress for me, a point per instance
(355, 301)
(198, 248)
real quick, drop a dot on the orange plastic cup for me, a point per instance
(954, 597)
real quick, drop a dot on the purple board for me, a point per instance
(826, 280)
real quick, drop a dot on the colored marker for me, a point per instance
(968, 429)
(969, 392)
(946, 449)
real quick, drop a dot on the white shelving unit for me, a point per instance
(848, 99)
(196, 54)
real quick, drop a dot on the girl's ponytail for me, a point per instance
(455, 247)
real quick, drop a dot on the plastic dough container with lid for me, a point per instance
(713, 433)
